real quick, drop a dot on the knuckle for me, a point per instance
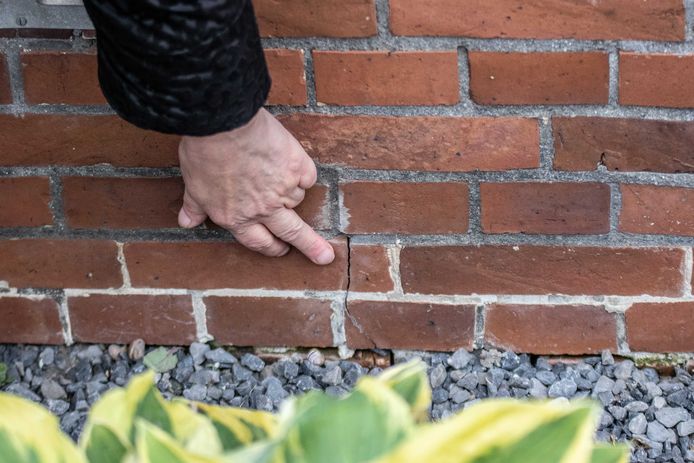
(293, 230)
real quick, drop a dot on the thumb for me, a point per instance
(191, 214)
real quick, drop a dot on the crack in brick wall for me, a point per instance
(518, 185)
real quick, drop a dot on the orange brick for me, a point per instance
(26, 204)
(540, 329)
(656, 80)
(657, 210)
(61, 78)
(452, 144)
(29, 321)
(498, 78)
(416, 208)
(369, 269)
(288, 77)
(386, 78)
(540, 19)
(316, 18)
(545, 208)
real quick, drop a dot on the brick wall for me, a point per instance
(506, 173)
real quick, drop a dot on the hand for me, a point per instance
(248, 180)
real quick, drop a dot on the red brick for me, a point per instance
(498, 78)
(630, 145)
(656, 80)
(369, 269)
(95, 202)
(538, 329)
(43, 263)
(33, 33)
(653, 327)
(26, 202)
(316, 18)
(419, 143)
(5, 92)
(60, 77)
(402, 325)
(77, 140)
(288, 77)
(270, 322)
(121, 319)
(29, 321)
(417, 208)
(541, 270)
(386, 78)
(546, 208)
(544, 19)
(657, 210)
(229, 265)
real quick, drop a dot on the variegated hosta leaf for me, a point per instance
(369, 422)
(156, 446)
(30, 434)
(237, 427)
(409, 380)
(603, 453)
(505, 431)
(115, 414)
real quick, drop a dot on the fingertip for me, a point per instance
(326, 256)
(184, 219)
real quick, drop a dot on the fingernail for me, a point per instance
(285, 252)
(185, 220)
(325, 257)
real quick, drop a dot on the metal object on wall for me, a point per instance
(43, 14)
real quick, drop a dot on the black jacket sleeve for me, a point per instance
(189, 67)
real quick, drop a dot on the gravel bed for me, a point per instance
(653, 411)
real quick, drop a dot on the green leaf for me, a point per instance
(409, 381)
(30, 434)
(366, 424)
(238, 427)
(105, 446)
(161, 360)
(3, 373)
(603, 453)
(155, 446)
(549, 443)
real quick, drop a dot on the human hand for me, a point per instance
(248, 180)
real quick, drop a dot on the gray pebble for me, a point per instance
(221, 356)
(670, 416)
(563, 388)
(58, 407)
(196, 393)
(638, 424)
(460, 359)
(51, 390)
(332, 376)
(437, 376)
(624, 369)
(47, 356)
(197, 351)
(685, 428)
(636, 406)
(607, 358)
(252, 362)
(659, 433)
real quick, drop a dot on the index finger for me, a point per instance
(288, 226)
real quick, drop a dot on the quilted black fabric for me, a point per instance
(189, 67)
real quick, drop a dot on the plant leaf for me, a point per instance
(238, 427)
(3, 373)
(160, 360)
(105, 446)
(155, 446)
(604, 453)
(30, 434)
(494, 424)
(409, 381)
